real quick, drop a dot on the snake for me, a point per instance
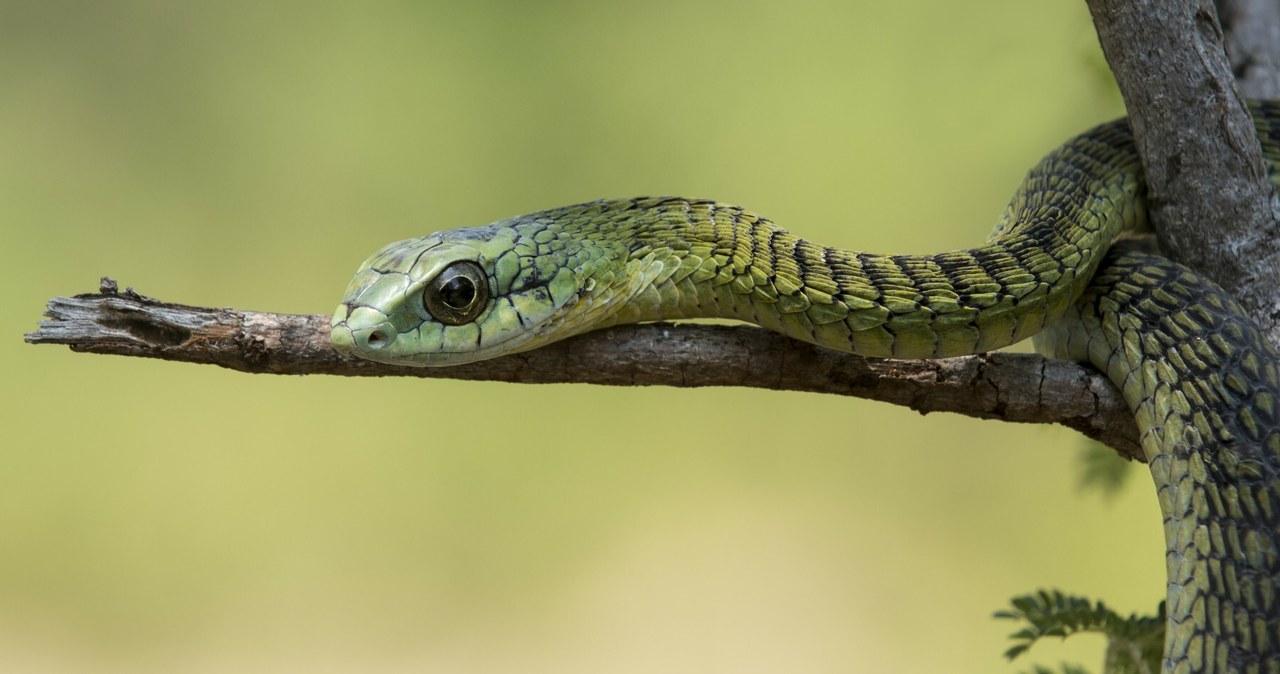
(1200, 378)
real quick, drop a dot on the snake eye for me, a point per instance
(458, 294)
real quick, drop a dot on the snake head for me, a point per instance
(469, 294)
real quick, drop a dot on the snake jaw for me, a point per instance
(534, 297)
(340, 334)
(361, 331)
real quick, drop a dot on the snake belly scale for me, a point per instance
(1202, 381)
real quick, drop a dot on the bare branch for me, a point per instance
(1184, 109)
(1007, 386)
(1210, 199)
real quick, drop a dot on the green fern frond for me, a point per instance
(1133, 643)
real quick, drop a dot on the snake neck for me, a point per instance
(702, 259)
(1203, 383)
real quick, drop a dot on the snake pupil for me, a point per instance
(458, 295)
(458, 292)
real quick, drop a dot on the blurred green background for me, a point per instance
(161, 517)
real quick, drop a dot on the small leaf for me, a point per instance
(1101, 469)
(1052, 613)
(1016, 651)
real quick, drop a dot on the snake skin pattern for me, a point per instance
(1202, 381)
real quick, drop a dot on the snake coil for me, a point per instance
(1202, 381)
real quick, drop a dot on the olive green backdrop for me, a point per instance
(160, 517)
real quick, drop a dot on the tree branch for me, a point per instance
(1252, 35)
(1209, 195)
(1007, 386)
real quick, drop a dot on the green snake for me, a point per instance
(1202, 381)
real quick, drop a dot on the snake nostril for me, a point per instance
(377, 339)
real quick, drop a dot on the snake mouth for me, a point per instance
(361, 331)
(368, 334)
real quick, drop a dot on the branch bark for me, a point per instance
(1209, 195)
(1209, 198)
(1252, 32)
(1006, 386)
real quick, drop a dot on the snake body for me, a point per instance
(1202, 381)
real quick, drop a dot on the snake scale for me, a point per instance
(1201, 380)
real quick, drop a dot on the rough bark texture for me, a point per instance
(1011, 387)
(1210, 199)
(1252, 31)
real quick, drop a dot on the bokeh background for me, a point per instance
(161, 517)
